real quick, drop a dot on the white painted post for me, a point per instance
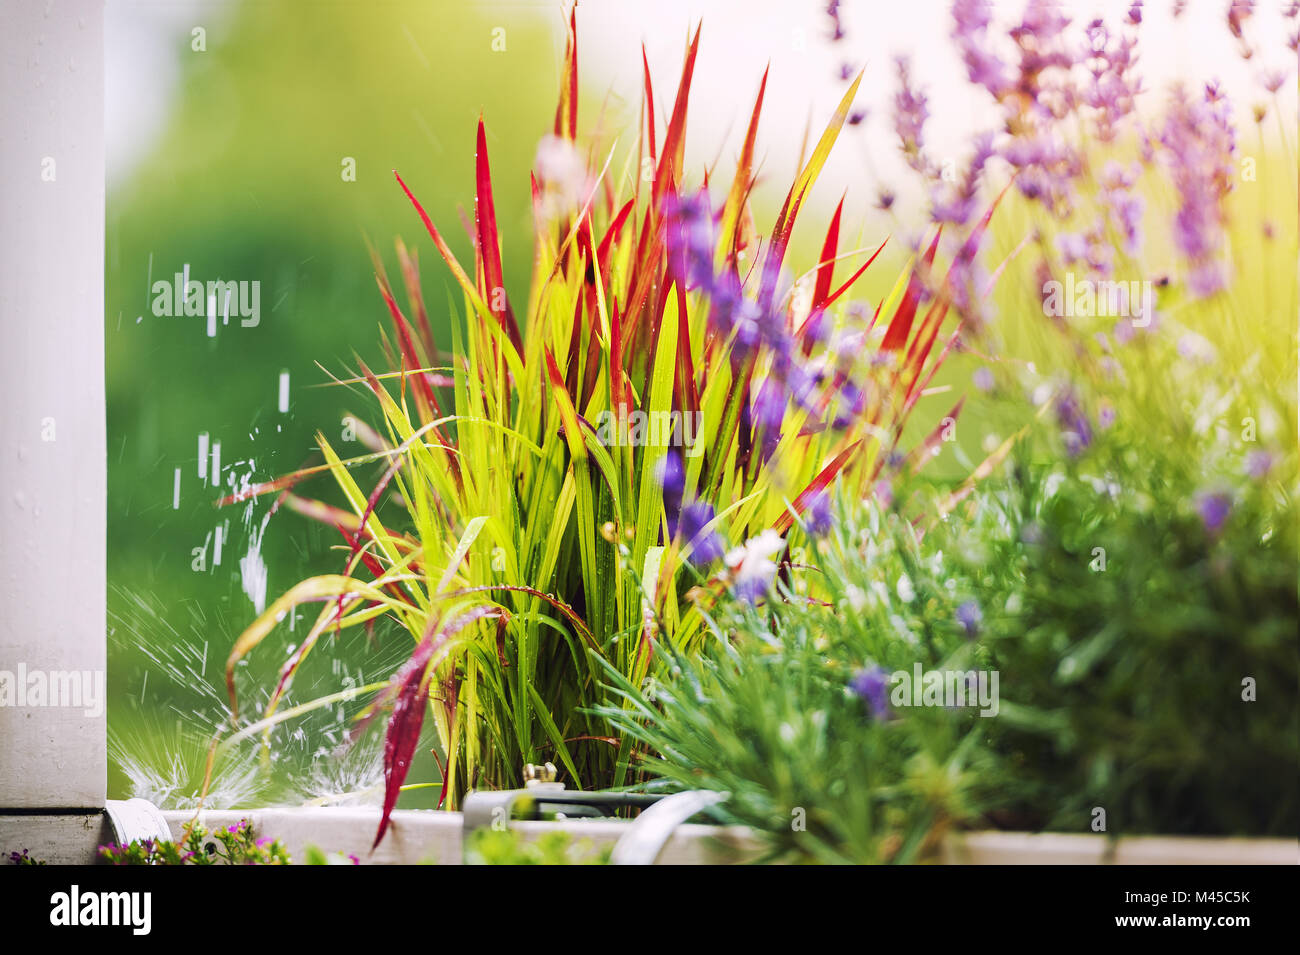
(52, 441)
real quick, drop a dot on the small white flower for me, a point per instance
(856, 598)
(906, 592)
(752, 564)
(563, 176)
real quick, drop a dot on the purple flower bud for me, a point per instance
(1258, 464)
(970, 617)
(706, 546)
(1213, 508)
(672, 481)
(817, 516)
(852, 402)
(884, 494)
(872, 685)
(1075, 429)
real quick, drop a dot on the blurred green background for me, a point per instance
(247, 183)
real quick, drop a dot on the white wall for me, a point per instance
(52, 442)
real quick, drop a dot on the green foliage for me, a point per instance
(510, 847)
(769, 716)
(233, 845)
(1129, 595)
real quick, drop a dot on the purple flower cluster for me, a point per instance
(1199, 144)
(1048, 76)
(1113, 88)
(1076, 430)
(705, 543)
(971, 20)
(689, 223)
(958, 206)
(910, 113)
(1124, 206)
(817, 518)
(837, 25)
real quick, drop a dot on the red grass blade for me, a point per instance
(917, 457)
(901, 324)
(817, 486)
(409, 693)
(780, 239)
(485, 216)
(826, 264)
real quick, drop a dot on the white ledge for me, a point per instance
(431, 836)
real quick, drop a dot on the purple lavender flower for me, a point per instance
(837, 25)
(706, 546)
(672, 481)
(1239, 11)
(970, 27)
(1213, 508)
(1258, 464)
(768, 413)
(852, 401)
(1075, 428)
(1113, 89)
(690, 238)
(970, 617)
(817, 516)
(1200, 142)
(1041, 36)
(1124, 206)
(872, 685)
(884, 492)
(1073, 247)
(910, 114)
(959, 204)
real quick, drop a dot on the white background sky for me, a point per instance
(740, 37)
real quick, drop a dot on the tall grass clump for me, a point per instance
(584, 473)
